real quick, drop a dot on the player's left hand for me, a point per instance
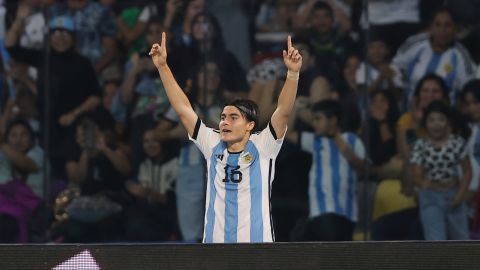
(291, 57)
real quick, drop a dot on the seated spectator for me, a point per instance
(275, 16)
(382, 75)
(347, 92)
(342, 11)
(21, 181)
(97, 164)
(20, 157)
(337, 159)
(435, 52)
(329, 45)
(153, 215)
(381, 120)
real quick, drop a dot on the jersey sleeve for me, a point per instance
(306, 141)
(359, 148)
(205, 138)
(267, 141)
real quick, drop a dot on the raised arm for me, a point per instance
(175, 94)
(286, 100)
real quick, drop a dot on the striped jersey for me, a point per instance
(238, 186)
(332, 181)
(416, 59)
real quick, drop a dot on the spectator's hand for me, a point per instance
(23, 11)
(67, 119)
(135, 189)
(291, 57)
(101, 145)
(80, 137)
(458, 199)
(386, 71)
(159, 52)
(407, 190)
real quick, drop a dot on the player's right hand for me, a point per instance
(159, 52)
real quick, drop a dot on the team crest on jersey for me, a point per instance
(447, 68)
(246, 157)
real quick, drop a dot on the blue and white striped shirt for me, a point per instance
(238, 186)
(332, 186)
(416, 58)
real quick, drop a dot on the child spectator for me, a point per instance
(442, 188)
(337, 159)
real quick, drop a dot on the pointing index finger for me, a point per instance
(289, 42)
(163, 39)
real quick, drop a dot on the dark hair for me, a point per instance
(154, 20)
(320, 5)
(331, 108)
(457, 122)
(444, 10)
(393, 112)
(195, 89)
(472, 87)
(248, 109)
(217, 41)
(25, 124)
(434, 77)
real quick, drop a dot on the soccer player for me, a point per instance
(240, 162)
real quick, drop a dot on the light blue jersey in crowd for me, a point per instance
(332, 185)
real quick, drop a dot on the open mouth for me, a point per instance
(226, 131)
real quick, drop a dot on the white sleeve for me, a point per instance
(359, 148)
(306, 141)
(205, 138)
(267, 142)
(36, 155)
(171, 115)
(466, 68)
(360, 74)
(397, 78)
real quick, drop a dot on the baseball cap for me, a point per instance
(63, 23)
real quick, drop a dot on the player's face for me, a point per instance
(233, 125)
(322, 124)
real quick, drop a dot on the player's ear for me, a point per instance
(250, 126)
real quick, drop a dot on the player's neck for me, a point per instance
(235, 147)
